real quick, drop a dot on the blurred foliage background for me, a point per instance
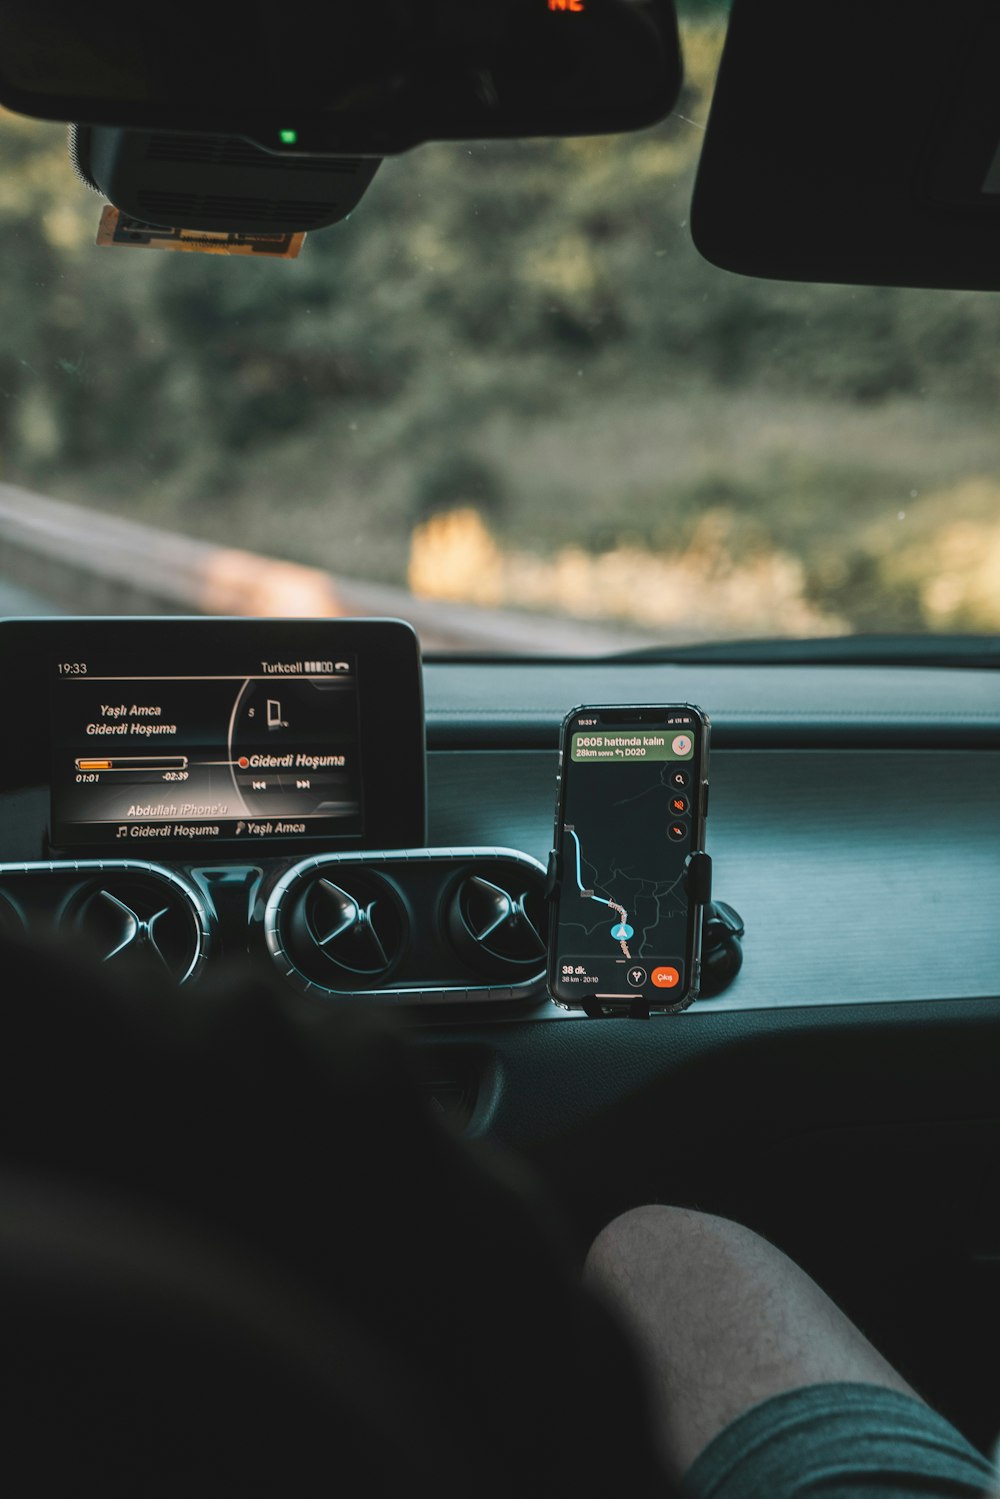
(510, 378)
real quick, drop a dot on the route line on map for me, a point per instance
(601, 900)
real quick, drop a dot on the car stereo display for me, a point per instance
(268, 753)
(190, 732)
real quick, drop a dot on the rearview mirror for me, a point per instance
(369, 78)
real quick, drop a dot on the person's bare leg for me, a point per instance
(724, 1320)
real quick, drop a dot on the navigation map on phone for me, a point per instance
(626, 830)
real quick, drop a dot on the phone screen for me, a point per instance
(631, 810)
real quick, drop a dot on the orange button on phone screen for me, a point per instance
(665, 978)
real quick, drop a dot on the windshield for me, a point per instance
(506, 400)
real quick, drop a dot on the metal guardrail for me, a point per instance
(91, 562)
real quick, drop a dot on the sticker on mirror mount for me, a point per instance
(118, 229)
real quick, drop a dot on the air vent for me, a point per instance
(347, 932)
(11, 920)
(412, 927)
(138, 921)
(496, 920)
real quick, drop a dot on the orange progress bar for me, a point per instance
(135, 762)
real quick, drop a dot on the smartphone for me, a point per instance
(625, 922)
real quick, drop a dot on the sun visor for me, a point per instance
(857, 142)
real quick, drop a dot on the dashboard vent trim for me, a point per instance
(378, 862)
(88, 881)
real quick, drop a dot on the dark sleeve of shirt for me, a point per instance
(295, 1130)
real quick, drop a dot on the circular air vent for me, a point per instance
(496, 920)
(12, 923)
(139, 920)
(344, 930)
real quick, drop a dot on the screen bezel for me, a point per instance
(390, 706)
(626, 716)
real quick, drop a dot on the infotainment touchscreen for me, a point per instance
(174, 732)
(271, 748)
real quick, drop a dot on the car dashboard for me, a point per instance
(854, 821)
(839, 1095)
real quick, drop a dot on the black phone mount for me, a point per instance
(721, 938)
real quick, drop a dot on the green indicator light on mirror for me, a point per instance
(288, 137)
